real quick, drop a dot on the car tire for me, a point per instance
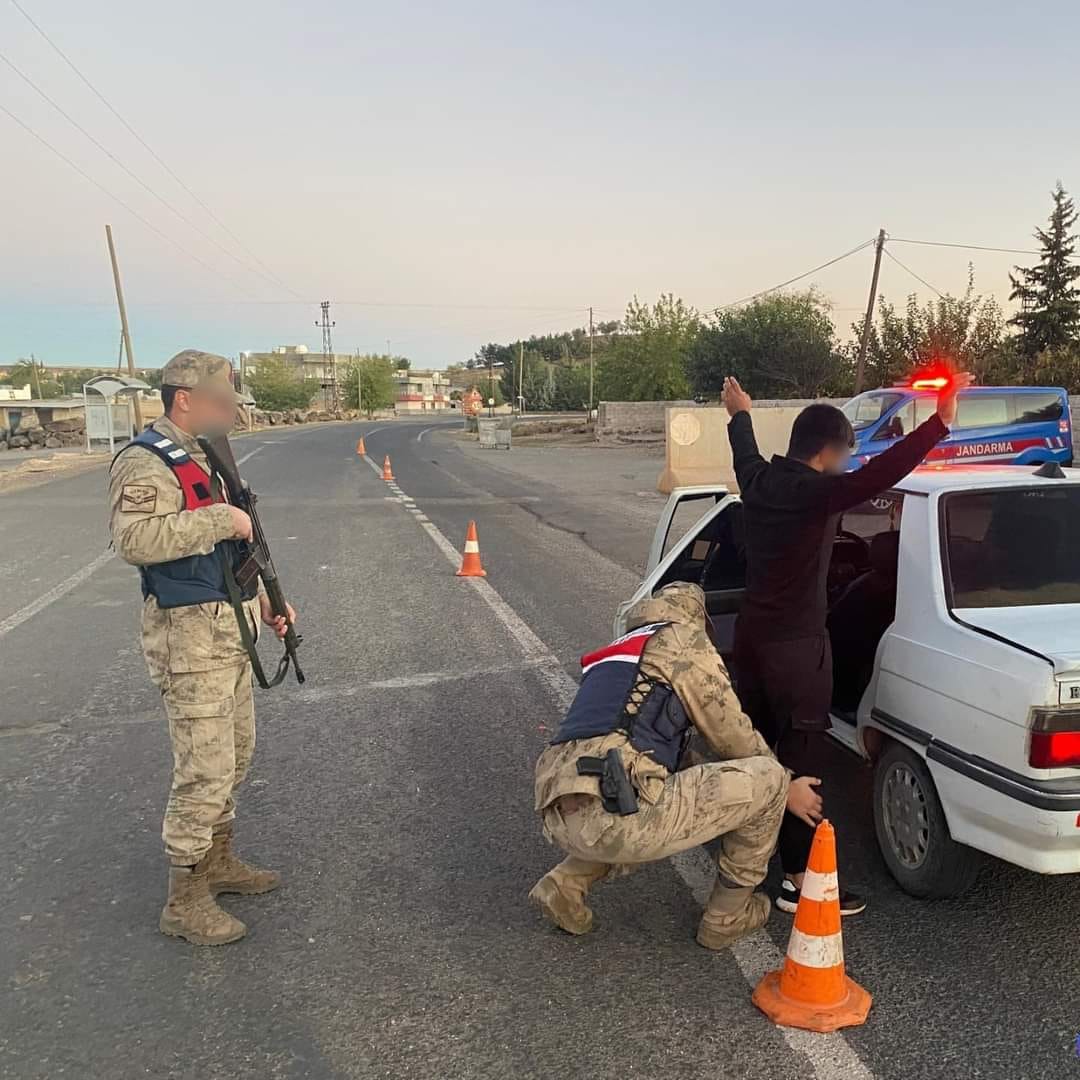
(912, 832)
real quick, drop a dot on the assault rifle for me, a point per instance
(254, 562)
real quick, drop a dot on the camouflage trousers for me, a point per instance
(742, 802)
(196, 658)
(212, 729)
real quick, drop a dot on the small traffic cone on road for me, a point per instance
(812, 991)
(470, 561)
(361, 449)
(386, 473)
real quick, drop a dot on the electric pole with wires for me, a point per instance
(329, 379)
(860, 364)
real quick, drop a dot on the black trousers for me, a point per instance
(785, 687)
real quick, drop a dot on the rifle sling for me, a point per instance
(237, 601)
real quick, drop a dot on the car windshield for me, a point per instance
(1013, 548)
(867, 409)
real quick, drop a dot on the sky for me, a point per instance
(452, 174)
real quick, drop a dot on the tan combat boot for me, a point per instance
(230, 874)
(730, 914)
(191, 912)
(560, 893)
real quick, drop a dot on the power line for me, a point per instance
(932, 288)
(967, 247)
(116, 198)
(134, 176)
(146, 146)
(791, 281)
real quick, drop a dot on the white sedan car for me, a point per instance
(954, 615)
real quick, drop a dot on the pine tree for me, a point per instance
(1050, 301)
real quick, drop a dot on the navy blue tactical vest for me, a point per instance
(656, 721)
(194, 579)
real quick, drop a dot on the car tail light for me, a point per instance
(1055, 739)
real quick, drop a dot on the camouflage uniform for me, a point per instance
(195, 654)
(740, 798)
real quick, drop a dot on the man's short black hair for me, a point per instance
(168, 395)
(817, 427)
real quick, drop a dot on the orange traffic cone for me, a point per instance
(812, 990)
(470, 561)
(361, 449)
(386, 473)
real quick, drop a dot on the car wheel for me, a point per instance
(912, 832)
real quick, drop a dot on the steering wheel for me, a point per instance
(850, 557)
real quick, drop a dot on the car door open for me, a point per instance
(711, 554)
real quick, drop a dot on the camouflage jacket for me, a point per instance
(682, 656)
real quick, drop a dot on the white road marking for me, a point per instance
(368, 434)
(55, 593)
(423, 433)
(250, 454)
(829, 1056)
(417, 680)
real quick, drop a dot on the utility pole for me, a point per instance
(521, 378)
(589, 417)
(359, 384)
(124, 329)
(330, 388)
(860, 364)
(34, 374)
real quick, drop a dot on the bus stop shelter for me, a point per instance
(113, 416)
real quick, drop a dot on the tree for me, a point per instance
(72, 381)
(275, 385)
(402, 363)
(779, 346)
(32, 373)
(376, 385)
(964, 331)
(1049, 315)
(647, 361)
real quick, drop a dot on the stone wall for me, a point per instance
(633, 421)
(643, 421)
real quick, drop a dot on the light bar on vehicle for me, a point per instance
(937, 383)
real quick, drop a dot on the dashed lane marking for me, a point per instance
(55, 593)
(829, 1056)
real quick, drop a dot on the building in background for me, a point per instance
(421, 391)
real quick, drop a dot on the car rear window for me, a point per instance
(1014, 547)
(1038, 408)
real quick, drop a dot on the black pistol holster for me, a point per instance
(616, 791)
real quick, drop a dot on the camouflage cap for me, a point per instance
(192, 368)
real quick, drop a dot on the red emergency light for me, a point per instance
(938, 382)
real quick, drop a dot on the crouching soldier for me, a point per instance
(610, 789)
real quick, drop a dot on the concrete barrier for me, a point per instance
(696, 447)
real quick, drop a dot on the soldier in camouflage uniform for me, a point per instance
(191, 640)
(740, 798)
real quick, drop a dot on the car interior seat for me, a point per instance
(858, 620)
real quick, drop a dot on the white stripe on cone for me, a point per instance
(472, 547)
(818, 886)
(810, 950)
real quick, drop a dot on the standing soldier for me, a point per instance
(169, 520)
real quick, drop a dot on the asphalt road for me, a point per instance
(394, 792)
